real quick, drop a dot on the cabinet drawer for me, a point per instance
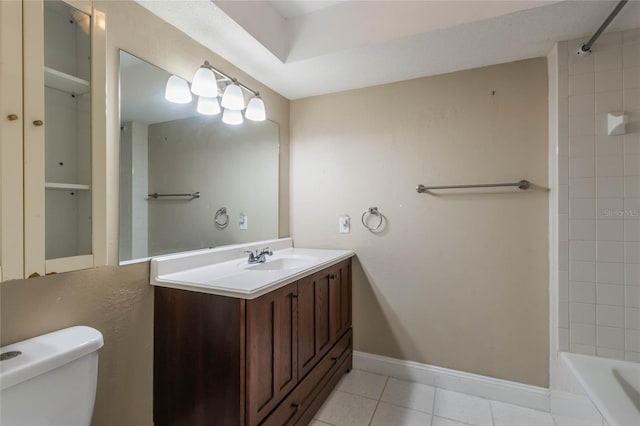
(294, 405)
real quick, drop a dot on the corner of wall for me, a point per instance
(552, 70)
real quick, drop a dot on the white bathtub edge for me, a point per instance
(598, 383)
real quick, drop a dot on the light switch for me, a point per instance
(243, 221)
(344, 224)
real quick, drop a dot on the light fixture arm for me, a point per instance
(228, 77)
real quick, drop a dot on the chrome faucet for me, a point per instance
(260, 256)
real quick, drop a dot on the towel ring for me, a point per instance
(372, 211)
(221, 213)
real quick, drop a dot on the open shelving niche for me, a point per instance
(68, 83)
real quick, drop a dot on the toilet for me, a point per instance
(50, 379)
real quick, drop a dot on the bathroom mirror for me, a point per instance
(189, 181)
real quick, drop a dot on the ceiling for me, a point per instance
(294, 8)
(307, 48)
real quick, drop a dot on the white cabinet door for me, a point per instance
(64, 137)
(11, 142)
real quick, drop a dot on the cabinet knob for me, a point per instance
(295, 406)
(295, 296)
(334, 358)
(38, 122)
(12, 117)
(332, 276)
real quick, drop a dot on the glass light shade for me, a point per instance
(208, 106)
(232, 116)
(255, 109)
(233, 98)
(204, 83)
(177, 90)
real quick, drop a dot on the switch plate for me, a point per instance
(344, 224)
(243, 221)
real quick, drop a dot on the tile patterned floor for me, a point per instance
(366, 399)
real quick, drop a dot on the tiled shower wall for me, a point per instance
(599, 198)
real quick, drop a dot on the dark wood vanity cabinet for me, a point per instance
(272, 360)
(272, 341)
(324, 301)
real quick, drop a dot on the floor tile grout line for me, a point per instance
(322, 421)
(386, 380)
(351, 393)
(491, 413)
(433, 403)
(433, 409)
(452, 420)
(406, 408)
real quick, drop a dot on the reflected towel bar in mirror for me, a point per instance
(190, 195)
(523, 185)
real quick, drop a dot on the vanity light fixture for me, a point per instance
(204, 82)
(233, 98)
(208, 106)
(177, 90)
(205, 86)
(232, 116)
(255, 109)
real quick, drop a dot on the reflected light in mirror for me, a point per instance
(208, 106)
(174, 149)
(177, 90)
(233, 98)
(204, 83)
(231, 116)
(255, 109)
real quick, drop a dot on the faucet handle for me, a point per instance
(266, 251)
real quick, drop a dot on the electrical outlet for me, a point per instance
(344, 224)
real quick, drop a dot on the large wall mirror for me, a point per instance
(189, 181)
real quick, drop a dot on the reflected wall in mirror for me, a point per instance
(168, 148)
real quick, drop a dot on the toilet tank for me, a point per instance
(53, 379)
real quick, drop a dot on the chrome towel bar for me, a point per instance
(190, 195)
(523, 185)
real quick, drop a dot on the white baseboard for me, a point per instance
(473, 384)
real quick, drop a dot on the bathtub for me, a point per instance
(613, 386)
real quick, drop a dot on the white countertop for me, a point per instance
(225, 271)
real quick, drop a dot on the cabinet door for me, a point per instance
(339, 299)
(11, 121)
(324, 312)
(314, 338)
(272, 330)
(64, 137)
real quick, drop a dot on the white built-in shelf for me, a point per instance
(76, 186)
(65, 82)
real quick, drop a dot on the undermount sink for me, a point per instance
(280, 264)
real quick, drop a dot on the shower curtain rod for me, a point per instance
(585, 49)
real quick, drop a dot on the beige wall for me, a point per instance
(460, 279)
(118, 301)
